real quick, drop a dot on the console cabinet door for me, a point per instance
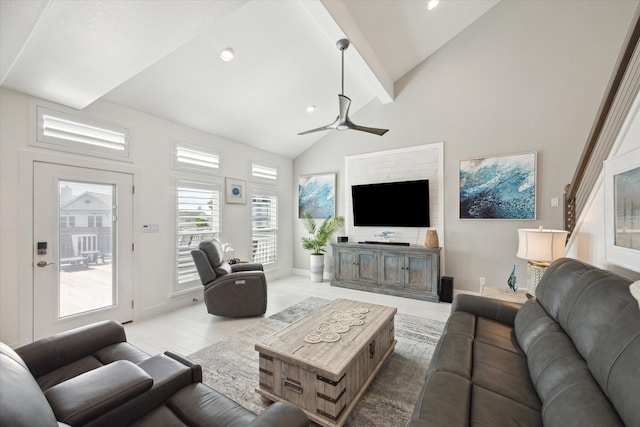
(419, 272)
(345, 264)
(392, 269)
(366, 267)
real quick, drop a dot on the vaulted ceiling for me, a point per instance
(163, 58)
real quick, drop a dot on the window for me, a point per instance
(98, 220)
(264, 173)
(79, 134)
(265, 227)
(192, 157)
(91, 221)
(197, 219)
(67, 221)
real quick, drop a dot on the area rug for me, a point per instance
(231, 366)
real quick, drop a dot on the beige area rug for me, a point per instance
(231, 366)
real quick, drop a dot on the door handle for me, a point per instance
(44, 263)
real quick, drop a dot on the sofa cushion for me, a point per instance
(48, 354)
(215, 254)
(198, 405)
(493, 409)
(111, 353)
(505, 373)
(445, 399)
(591, 305)
(615, 363)
(22, 403)
(161, 416)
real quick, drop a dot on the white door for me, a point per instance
(82, 249)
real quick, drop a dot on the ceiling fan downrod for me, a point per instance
(342, 45)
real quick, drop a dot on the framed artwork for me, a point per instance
(499, 187)
(622, 210)
(235, 191)
(317, 195)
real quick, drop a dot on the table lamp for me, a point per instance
(539, 247)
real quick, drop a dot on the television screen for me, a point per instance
(391, 204)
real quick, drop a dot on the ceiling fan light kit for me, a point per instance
(342, 122)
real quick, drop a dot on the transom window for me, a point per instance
(195, 157)
(78, 133)
(263, 172)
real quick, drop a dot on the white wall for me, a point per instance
(152, 152)
(587, 241)
(527, 76)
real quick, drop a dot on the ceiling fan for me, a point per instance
(343, 122)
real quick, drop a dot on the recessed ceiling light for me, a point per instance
(311, 108)
(227, 54)
(432, 4)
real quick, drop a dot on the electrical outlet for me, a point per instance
(554, 202)
(481, 281)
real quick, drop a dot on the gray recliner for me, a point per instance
(238, 290)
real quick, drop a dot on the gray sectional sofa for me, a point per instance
(91, 376)
(568, 357)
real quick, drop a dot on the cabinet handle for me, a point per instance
(293, 385)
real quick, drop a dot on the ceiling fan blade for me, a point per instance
(326, 127)
(376, 131)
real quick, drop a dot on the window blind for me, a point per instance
(264, 172)
(265, 228)
(195, 157)
(197, 219)
(77, 133)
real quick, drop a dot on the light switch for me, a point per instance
(554, 202)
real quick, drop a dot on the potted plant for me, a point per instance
(318, 240)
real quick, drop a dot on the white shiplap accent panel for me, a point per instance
(404, 164)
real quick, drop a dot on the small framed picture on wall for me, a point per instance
(235, 191)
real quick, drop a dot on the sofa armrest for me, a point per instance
(45, 355)
(494, 309)
(281, 414)
(241, 278)
(92, 394)
(247, 266)
(196, 370)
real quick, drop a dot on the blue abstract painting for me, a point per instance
(317, 195)
(501, 187)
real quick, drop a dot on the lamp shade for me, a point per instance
(541, 245)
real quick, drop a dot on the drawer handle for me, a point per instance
(293, 385)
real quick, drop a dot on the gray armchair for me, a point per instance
(238, 290)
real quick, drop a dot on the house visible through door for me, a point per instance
(83, 247)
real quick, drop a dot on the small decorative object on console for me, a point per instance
(431, 239)
(512, 280)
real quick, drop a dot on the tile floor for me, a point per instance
(191, 328)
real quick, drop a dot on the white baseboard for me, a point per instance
(174, 303)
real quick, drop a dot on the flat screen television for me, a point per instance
(391, 204)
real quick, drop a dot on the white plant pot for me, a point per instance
(317, 267)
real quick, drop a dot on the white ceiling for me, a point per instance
(163, 58)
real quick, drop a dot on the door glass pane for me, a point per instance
(86, 245)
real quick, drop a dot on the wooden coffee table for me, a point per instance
(304, 363)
